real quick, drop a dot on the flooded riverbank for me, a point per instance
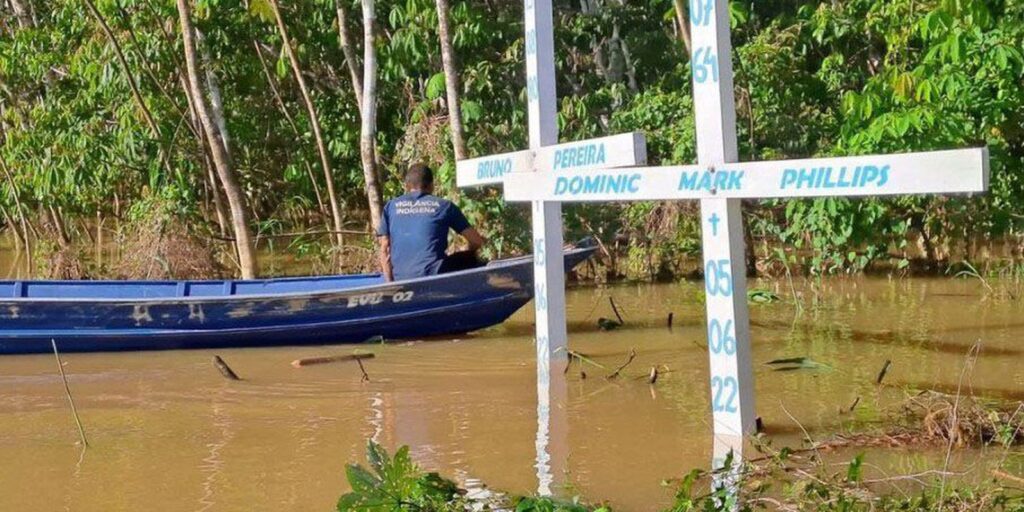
(167, 432)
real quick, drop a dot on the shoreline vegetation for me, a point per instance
(156, 246)
(216, 128)
(153, 242)
(780, 481)
(821, 476)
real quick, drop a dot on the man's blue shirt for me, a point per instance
(417, 224)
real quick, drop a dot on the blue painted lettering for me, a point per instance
(580, 156)
(493, 168)
(708, 181)
(830, 177)
(596, 184)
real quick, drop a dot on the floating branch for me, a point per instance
(67, 392)
(582, 358)
(359, 361)
(224, 369)
(885, 370)
(615, 309)
(854, 406)
(310, 361)
(632, 356)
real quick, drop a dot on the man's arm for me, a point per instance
(475, 239)
(385, 258)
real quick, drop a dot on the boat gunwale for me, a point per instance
(496, 265)
(21, 333)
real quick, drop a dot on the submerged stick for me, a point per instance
(67, 392)
(615, 309)
(366, 377)
(885, 370)
(670, 315)
(224, 369)
(632, 356)
(854, 406)
(583, 358)
(309, 361)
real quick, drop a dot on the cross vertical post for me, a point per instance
(728, 327)
(549, 278)
(542, 111)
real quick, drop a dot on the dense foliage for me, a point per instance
(86, 134)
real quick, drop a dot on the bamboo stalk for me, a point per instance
(67, 392)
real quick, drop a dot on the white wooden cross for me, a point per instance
(546, 156)
(720, 182)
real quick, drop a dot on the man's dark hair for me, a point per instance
(419, 176)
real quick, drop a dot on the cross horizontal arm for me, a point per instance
(622, 150)
(938, 172)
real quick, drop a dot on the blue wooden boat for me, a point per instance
(91, 316)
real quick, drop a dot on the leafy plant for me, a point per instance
(394, 484)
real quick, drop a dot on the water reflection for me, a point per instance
(552, 422)
(470, 408)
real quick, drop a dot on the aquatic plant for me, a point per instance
(396, 484)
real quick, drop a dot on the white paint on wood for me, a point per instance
(623, 150)
(959, 171)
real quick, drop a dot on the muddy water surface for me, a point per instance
(168, 433)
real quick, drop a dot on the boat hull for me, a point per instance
(447, 304)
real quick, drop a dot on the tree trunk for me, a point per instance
(451, 80)
(216, 108)
(125, 69)
(218, 203)
(210, 175)
(14, 229)
(314, 120)
(348, 48)
(236, 198)
(58, 225)
(22, 219)
(291, 123)
(369, 113)
(684, 26)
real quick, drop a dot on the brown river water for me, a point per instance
(168, 433)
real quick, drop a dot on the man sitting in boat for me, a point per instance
(414, 229)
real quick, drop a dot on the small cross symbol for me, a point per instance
(714, 223)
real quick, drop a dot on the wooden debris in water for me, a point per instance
(67, 392)
(615, 309)
(224, 369)
(653, 376)
(606, 324)
(854, 406)
(1006, 476)
(582, 358)
(310, 361)
(366, 376)
(632, 356)
(885, 370)
(670, 315)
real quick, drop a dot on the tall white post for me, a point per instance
(549, 279)
(732, 397)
